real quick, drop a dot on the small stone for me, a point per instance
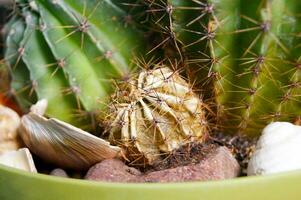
(277, 150)
(112, 170)
(219, 164)
(59, 172)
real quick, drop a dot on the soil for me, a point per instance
(241, 146)
(192, 153)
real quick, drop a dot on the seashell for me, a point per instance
(63, 144)
(20, 159)
(9, 123)
(40, 107)
(277, 150)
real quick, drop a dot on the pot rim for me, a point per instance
(229, 182)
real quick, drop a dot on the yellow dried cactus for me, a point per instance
(154, 112)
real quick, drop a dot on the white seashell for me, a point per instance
(277, 150)
(20, 159)
(9, 123)
(63, 144)
(40, 107)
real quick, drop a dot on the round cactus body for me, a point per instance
(155, 112)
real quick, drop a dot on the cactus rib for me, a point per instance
(76, 48)
(20, 83)
(49, 83)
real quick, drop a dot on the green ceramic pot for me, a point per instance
(19, 185)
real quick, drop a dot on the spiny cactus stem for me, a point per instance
(14, 31)
(43, 83)
(291, 93)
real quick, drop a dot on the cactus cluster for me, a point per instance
(242, 56)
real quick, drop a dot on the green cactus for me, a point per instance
(67, 52)
(20, 85)
(244, 55)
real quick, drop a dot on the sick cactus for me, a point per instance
(155, 112)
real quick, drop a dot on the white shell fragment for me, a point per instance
(9, 123)
(20, 159)
(63, 144)
(277, 150)
(40, 107)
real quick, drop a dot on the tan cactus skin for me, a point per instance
(153, 113)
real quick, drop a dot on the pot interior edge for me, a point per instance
(21, 185)
(239, 180)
